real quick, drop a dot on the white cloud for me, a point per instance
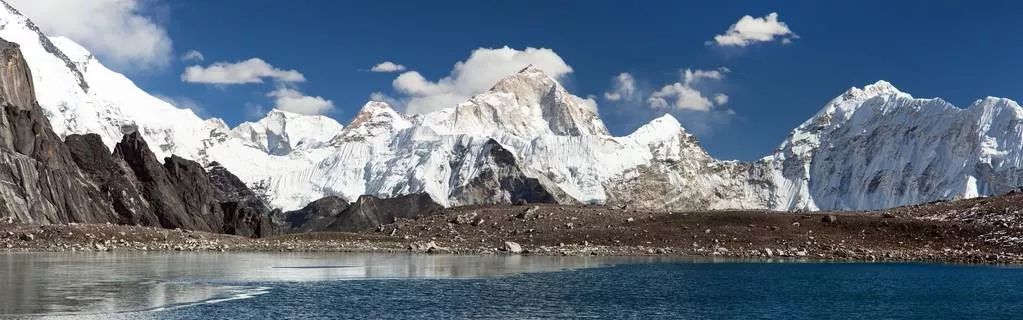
(749, 30)
(686, 94)
(623, 89)
(588, 103)
(387, 66)
(690, 76)
(382, 97)
(292, 100)
(192, 55)
(720, 98)
(253, 70)
(119, 31)
(483, 68)
(685, 98)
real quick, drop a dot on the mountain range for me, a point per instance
(528, 139)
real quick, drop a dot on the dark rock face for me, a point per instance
(183, 195)
(45, 180)
(114, 179)
(176, 203)
(244, 211)
(335, 214)
(39, 181)
(500, 180)
(317, 215)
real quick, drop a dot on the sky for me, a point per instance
(739, 75)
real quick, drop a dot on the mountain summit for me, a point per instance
(527, 138)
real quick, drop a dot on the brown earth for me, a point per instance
(916, 233)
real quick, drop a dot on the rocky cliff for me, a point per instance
(336, 214)
(39, 181)
(45, 180)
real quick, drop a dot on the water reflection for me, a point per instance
(90, 283)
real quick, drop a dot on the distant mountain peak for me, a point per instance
(531, 78)
(881, 87)
(374, 107)
(376, 119)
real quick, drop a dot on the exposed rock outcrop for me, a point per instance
(45, 180)
(245, 212)
(317, 215)
(183, 196)
(177, 196)
(114, 179)
(39, 181)
(498, 179)
(336, 214)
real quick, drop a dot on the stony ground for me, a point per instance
(918, 233)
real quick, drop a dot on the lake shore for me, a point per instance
(583, 230)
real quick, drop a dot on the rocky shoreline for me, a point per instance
(578, 230)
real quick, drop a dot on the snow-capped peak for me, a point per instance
(839, 109)
(881, 87)
(666, 125)
(376, 120)
(528, 84)
(526, 104)
(281, 132)
(871, 147)
(374, 109)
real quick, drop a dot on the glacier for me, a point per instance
(869, 148)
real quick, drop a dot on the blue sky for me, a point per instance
(958, 51)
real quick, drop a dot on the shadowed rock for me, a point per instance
(45, 180)
(39, 181)
(500, 180)
(335, 214)
(244, 211)
(114, 179)
(317, 215)
(183, 196)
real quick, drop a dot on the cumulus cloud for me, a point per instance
(686, 94)
(292, 100)
(286, 96)
(387, 66)
(120, 32)
(749, 30)
(382, 97)
(720, 98)
(253, 70)
(483, 68)
(623, 88)
(193, 55)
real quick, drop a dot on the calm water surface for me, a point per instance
(397, 286)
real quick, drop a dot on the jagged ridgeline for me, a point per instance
(44, 180)
(529, 139)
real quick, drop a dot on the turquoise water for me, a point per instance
(371, 286)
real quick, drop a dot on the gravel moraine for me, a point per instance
(586, 230)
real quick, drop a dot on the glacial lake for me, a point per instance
(404, 286)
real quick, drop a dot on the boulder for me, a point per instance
(512, 247)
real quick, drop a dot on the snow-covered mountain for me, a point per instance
(528, 138)
(878, 147)
(80, 95)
